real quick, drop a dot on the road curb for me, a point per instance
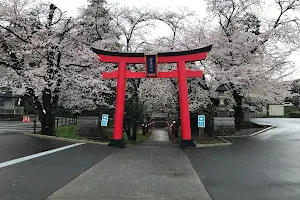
(251, 135)
(226, 143)
(264, 130)
(63, 139)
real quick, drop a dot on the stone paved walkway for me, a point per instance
(153, 170)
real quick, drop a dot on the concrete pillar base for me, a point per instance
(118, 143)
(187, 143)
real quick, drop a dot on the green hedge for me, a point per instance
(294, 115)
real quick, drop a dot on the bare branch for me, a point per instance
(78, 65)
(16, 35)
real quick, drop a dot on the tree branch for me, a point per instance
(77, 65)
(12, 32)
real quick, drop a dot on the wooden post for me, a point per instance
(34, 125)
(201, 132)
(143, 129)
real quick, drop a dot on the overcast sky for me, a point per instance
(198, 6)
(71, 5)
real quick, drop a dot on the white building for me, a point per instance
(9, 102)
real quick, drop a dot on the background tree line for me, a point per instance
(48, 55)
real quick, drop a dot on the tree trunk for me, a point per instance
(238, 110)
(45, 109)
(48, 124)
(127, 131)
(134, 131)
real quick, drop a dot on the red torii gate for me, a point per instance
(140, 58)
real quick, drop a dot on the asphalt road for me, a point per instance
(13, 144)
(37, 178)
(264, 167)
(15, 126)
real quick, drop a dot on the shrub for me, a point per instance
(294, 115)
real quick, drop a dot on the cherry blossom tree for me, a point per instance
(250, 54)
(41, 45)
(157, 96)
(132, 24)
(94, 28)
(178, 21)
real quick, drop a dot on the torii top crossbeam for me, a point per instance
(166, 57)
(151, 62)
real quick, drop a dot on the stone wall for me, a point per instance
(223, 124)
(249, 115)
(88, 126)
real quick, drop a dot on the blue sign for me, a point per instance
(201, 121)
(104, 120)
(103, 123)
(151, 65)
(104, 117)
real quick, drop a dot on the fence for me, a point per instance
(62, 121)
(249, 115)
(59, 121)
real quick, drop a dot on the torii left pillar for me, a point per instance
(180, 58)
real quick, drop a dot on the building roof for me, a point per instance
(6, 92)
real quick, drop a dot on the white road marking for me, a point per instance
(18, 160)
(19, 129)
(12, 125)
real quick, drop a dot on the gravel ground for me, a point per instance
(247, 131)
(208, 140)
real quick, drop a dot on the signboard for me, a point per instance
(104, 117)
(201, 121)
(103, 123)
(104, 120)
(151, 64)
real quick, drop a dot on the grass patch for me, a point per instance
(68, 131)
(139, 138)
